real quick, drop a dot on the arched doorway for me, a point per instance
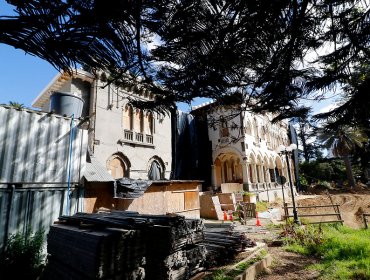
(228, 169)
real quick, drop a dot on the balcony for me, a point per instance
(131, 137)
(149, 139)
(139, 137)
(128, 135)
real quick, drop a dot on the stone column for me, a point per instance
(213, 176)
(246, 181)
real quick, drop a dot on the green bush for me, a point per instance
(23, 256)
(316, 171)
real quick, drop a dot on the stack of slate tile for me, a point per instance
(85, 253)
(223, 245)
(167, 248)
(125, 245)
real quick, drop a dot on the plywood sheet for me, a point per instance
(176, 202)
(207, 209)
(191, 200)
(227, 201)
(217, 207)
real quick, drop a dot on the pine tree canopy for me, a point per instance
(179, 50)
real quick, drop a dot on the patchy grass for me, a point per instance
(223, 274)
(262, 206)
(344, 252)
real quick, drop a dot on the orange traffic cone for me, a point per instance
(231, 216)
(225, 216)
(258, 222)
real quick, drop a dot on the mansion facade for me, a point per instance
(128, 142)
(226, 145)
(244, 148)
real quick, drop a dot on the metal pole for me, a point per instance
(282, 190)
(295, 214)
(8, 215)
(71, 135)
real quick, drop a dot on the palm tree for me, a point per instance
(342, 143)
(16, 105)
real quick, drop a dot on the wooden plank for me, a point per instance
(183, 191)
(207, 209)
(313, 206)
(187, 210)
(217, 207)
(314, 215)
(325, 222)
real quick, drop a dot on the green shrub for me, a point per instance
(22, 257)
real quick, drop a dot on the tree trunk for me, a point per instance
(351, 179)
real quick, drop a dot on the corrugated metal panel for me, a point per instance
(34, 208)
(95, 172)
(34, 147)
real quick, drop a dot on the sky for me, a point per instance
(23, 76)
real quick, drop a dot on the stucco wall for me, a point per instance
(109, 130)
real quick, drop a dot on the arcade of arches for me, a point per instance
(257, 170)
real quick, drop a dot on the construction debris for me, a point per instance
(127, 245)
(223, 244)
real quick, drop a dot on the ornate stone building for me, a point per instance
(244, 149)
(129, 142)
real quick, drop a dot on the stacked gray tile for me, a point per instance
(85, 253)
(122, 245)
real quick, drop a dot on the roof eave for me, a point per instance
(56, 83)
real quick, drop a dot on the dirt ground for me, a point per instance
(351, 205)
(291, 266)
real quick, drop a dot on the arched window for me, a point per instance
(141, 118)
(150, 123)
(156, 169)
(118, 166)
(128, 118)
(255, 130)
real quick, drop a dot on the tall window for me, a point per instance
(255, 131)
(224, 130)
(150, 123)
(130, 113)
(141, 117)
